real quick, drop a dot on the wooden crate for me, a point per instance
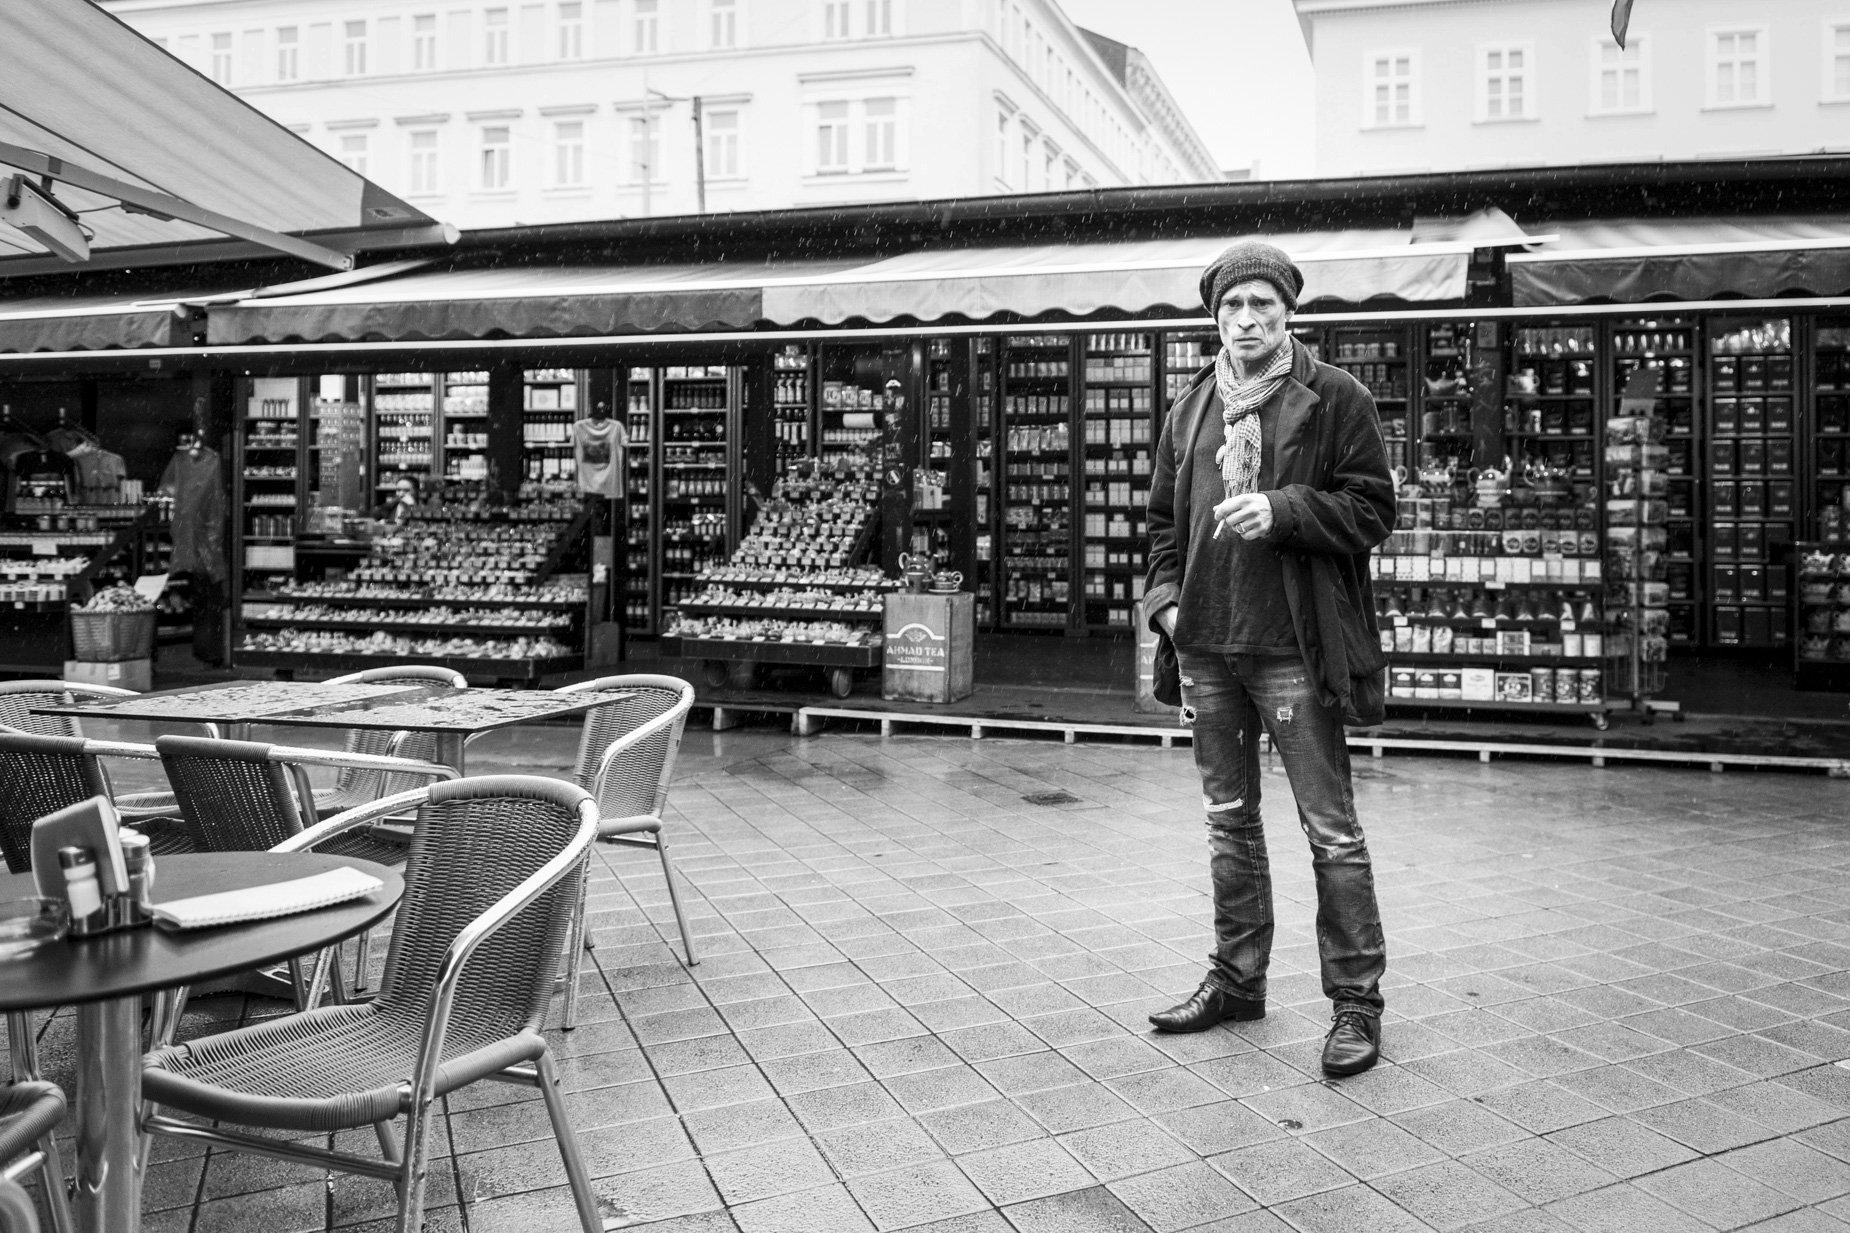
(930, 647)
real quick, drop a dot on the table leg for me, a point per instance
(450, 750)
(108, 1105)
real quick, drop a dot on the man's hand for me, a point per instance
(1167, 619)
(1250, 514)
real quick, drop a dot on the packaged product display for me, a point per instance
(1637, 513)
(1830, 495)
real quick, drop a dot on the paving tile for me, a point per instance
(1124, 1149)
(825, 1209)
(876, 1147)
(1791, 1168)
(768, 1169)
(1017, 1172)
(1623, 1209)
(1448, 1194)
(1183, 1197)
(1281, 1170)
(1458, 1126)
(758, 1121)
(832, 1108)
(1622, 1146)
(917, 1194)
(1096, 1210)
(973, 1127)
(1541, 1106)
(1716, 1194)
(1373, 1148)
(1539, 1171)
(1352, 1209)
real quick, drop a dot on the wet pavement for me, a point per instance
(1616, 1001)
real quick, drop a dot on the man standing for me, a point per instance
(1271, 488)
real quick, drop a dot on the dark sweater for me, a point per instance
(1233, 589)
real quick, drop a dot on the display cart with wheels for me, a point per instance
(796, 592)
(1637, 514)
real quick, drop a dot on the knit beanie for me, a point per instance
(1248, 259)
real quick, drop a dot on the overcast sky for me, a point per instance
(1237, 67)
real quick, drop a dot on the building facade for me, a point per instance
(1407, 86)
(498, 112)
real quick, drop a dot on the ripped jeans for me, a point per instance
(1230, 695)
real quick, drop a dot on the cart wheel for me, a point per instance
(1600, 721)
(714, 670)
(841, 681)
(1650, 716)
(743, 674)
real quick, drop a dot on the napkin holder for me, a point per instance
(92, 824)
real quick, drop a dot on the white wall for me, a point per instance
(939, 72)
(1563, 38)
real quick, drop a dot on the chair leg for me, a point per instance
(415, 1167)
(51, 1181)
(388, 1141)
(582, 1194)
(575, 951)
(22, 1046)
(674, 897)
(362, 959)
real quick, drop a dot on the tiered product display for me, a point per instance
(640, 536)
(1443, 435)
(1636, 515)
(465, 426)
(268, 461)
(404, 432)
(1752, 480)
(695, 416)
(795, 591)
(550, 402)
(1823, 644)
(1489, 597)
(484, 577)
(1550, 413)
(1377, 357)
(933, 508)
(791, 381)
(1667, 347)
(1037, 519)
(983, 463)
(1116, 452)
(1830, 446)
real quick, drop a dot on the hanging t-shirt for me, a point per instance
(196, 482)
(598, 448)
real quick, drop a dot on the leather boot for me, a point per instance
(1209, 1005)
(1354, 1043)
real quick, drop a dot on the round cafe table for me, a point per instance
(104, 977)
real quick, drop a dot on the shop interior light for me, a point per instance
(36, 212)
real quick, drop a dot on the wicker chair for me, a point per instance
(247, 796)
(43, 774)
(357, 786)
(626, 759)
(30, 1111)
(493, 874)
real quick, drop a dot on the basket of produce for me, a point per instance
(116, 624)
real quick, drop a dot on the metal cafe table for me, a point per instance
(105, 976)
(452, 715)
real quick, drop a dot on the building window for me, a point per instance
(1002, 145)
(288, 64)
(568, 154)
(495, 157)
(353, 152)
(1029, 138)
(648, 27)
(881, 116)
(424, 170)
(494, 36)
(1072, 174)
(221, 59)
(424, 43)
(835, 19)
(571, 30)
(1050, 166)
(722, 134)
(645, 150)
(1505, 73)
(1391, 95)
(879, 19)
(353, 48)
(1621, 77)
(832, 138)
(724, 30)
(1737, 68)
(1837, 62)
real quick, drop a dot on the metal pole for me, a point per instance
(700, 160)
(108, 1107)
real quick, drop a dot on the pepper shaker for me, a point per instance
(81, 890)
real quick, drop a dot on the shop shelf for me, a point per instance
(773, 651)
(500, 669)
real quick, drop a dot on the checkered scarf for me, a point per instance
(1240, 401)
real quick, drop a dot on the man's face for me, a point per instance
(405, 491)
(1252, 320)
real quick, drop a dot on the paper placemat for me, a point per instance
(263, 902)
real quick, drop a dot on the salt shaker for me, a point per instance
(80, 885)
(138, 859)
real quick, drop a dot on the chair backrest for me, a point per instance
(410, 674)
(17, 698)
(40, 775)
(233, 796)
(636, 781)
(474, 841)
